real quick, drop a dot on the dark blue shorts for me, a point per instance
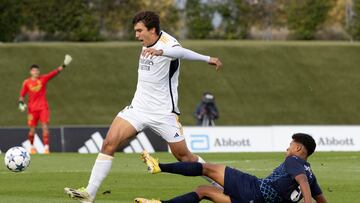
(241, 187)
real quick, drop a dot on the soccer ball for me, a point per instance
(17, 159)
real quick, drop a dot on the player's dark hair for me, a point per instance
(306, 140)
(150, 20)
(34, 66)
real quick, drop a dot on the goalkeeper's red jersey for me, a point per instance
(36, 90)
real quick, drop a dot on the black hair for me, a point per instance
(305, 140)
(150, 20)
(34, 66)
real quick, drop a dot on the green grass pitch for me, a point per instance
(337, 173)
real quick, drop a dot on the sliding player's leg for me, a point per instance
(208, 192)
(120, 130)
(182, 153)
(238, 185)
(212, 193)
(214, 171)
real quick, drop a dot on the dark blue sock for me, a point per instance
(191, 197)
(183, 168)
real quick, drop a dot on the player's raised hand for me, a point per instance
(67, 60)
(22, 106)
(215, 62)
(151, 52)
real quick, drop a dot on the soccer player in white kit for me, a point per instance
(154, 104)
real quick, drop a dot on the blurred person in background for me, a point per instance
(206, 112)
(38, 107)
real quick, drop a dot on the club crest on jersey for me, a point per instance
(36, 87)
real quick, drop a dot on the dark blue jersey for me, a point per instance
(281, 186)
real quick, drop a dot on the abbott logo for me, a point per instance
(326, 141)
(200, 142)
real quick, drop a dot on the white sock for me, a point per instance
(201, 160)
(99, 172)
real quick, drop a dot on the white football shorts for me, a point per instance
(167, 126)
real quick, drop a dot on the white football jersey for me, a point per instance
(156, 90)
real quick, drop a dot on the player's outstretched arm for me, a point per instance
(182, 53)
(305, 187)
(320, 199)
(215, 62)
(55, 72)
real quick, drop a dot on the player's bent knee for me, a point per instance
(207, 169)
(212, 169)
(203, 191)
(180, 156)
(185, 157)
(108, 147)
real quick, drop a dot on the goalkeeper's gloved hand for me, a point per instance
(22, 106)
(67, 60)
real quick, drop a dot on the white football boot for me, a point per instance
(79, 194)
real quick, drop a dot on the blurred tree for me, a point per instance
(280, 15)
(337, 13)
(168, 13)
(235, 19)
(305, 16)
(10, 20)
(198, 19)
(115, 17)
(62, 19)
(355, 21)
(263, 11)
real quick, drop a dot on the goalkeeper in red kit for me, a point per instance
(38, 108)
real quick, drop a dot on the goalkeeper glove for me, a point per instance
(67, 60)
(22, 106)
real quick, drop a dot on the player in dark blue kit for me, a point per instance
(289, 182)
